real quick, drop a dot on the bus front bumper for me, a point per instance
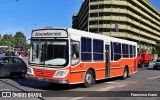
(48, 80)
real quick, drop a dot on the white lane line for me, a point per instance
(112, 82)
(121, 86)
(153, 78)
(133, 82)
(106, 89)
(76, 98)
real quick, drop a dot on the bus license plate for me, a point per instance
(40, 79)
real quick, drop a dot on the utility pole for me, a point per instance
(88, 13)
(139, 38)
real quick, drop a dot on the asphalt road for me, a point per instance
(145, 79)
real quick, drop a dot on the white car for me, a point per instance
(157, 64)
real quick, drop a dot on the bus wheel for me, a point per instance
(125, 73)
(89, 79)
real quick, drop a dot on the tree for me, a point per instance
(8, 40)
(20, 39)
(27, 46)
(157, 47)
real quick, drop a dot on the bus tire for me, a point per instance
(89, 79)
(125, 73)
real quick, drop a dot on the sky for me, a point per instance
(25, 15)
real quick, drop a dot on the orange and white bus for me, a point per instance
(69, 56)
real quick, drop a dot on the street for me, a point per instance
(146, 79)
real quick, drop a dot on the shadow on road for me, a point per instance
(44, 85)
(147, 68)
(52, 86)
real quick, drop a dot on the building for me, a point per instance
(135, 20)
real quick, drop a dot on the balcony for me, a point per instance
(129, 12)
(122, 19)
(138, 10)
(109, 2)
(146, 9)
(130, 36)
(124, 27)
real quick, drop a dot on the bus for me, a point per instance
(70, 56)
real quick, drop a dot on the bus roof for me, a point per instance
(88, 34)
(99, 36)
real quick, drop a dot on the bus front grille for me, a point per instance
(44, 73)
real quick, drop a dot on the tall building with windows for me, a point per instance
(135, 20)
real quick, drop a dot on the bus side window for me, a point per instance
(75, 52)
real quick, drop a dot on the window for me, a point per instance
(125, 50)
(75, 52)
(4, 61)
(117, 51)
(16, 61)
(97, 50)
(49, 52)
(85, 49)
(131, 51)
(134, 51)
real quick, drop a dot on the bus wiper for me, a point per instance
(45, 47)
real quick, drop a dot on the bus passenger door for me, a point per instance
(107, 56)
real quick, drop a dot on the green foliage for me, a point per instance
(18, 39)
(27, 46)
(157, 47)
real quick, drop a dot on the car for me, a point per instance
(10, 66)
(157, 64)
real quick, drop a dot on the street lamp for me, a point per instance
(88, 13)
(98, 15)
(26, 28)
(9, 1)
(139, 37)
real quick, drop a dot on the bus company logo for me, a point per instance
(48, 34)
(6, 94)
(42, 73)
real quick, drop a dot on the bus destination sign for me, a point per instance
(49, 33)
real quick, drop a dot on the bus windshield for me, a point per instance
(49, 52)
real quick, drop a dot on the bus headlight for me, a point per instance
(30, 70)
(60, 73)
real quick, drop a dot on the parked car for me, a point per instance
(10, 66)
(157, 64)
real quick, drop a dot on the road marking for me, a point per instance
(113, 82)
(153, 78)
(121, 86)
(106, 89)
(133, 82)
(76, 98)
